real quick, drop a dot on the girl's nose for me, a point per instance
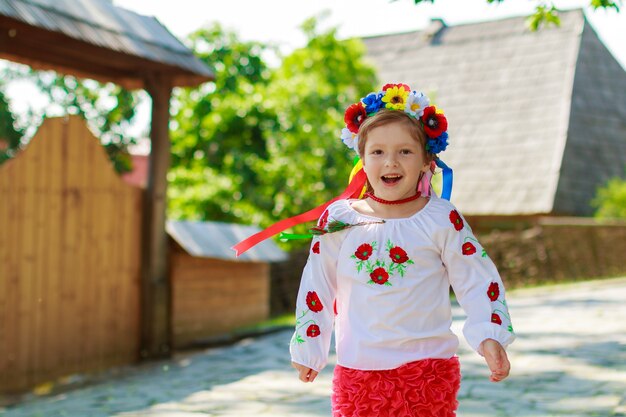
(391, 161)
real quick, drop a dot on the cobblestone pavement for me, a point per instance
(569, 360)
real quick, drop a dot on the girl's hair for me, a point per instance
(385, 117)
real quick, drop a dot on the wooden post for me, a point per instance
(155, 283)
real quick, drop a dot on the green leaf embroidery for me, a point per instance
(337, 226)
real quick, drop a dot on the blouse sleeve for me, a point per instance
(310, 343)
(477, 285)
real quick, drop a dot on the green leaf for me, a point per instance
(543, 15)
(596, 4)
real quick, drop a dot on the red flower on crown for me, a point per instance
(434, 123)
(403, 86)
(316, 247)
(456, 220)
(496, 319)
(364, 251)
(313, 330)
(354, 116)
(494, 291)
(398, 255)
(468, 248)
(379, 276)
(313, 301)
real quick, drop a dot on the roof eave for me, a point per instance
(24, 43)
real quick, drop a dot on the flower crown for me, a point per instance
(397, 97)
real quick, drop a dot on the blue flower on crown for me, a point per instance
(438, 144)
(373, 102)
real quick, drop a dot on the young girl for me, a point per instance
(380, 269)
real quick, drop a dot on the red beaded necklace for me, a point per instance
(404, 200)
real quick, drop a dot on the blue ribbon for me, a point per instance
(447, 179)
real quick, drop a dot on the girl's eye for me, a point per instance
(405, 151)
(377, 152)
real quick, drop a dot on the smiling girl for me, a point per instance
(380, 269)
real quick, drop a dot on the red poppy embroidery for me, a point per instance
(316, 247)
(364, 251)
(496, 319)
(494, 291)
(456, 220)
(398, 255)
(313, 301)
(468, 249)
(354, 116)
(313, 330)
(379, 276)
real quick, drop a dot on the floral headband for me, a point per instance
(397, 97)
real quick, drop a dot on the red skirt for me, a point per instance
(425, 388)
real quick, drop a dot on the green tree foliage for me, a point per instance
(546, 13)
(267, 146)
(10, 135)
(219, 129)
(610, 200)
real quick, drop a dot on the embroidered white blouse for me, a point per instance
(385, 287)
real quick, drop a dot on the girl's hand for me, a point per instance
(496, 358)
(305, 374)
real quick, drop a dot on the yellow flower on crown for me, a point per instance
(395, 98)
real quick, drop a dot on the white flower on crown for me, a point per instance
(350, 139)
(416, 103)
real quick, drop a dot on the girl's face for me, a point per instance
(393, 161)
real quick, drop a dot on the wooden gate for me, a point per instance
(69, 259)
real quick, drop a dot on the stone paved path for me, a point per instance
(569, 360)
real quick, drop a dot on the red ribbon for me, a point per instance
(352, 191)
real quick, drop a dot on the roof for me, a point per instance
(103, 26)
(215, 239)
(515, 101)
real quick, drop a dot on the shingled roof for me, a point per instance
(537, 119)
(98, 39)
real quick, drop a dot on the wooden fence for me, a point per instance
(69, 259)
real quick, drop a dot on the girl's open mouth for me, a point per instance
(391, 179)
